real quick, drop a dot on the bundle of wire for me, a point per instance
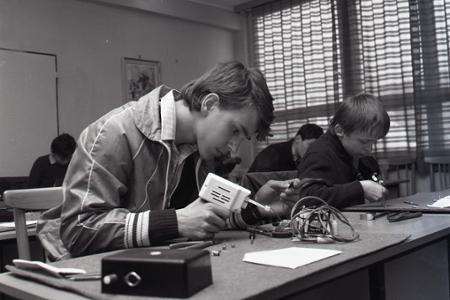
(319, 223)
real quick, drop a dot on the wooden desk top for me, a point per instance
(234, 279)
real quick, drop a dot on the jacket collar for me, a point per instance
(155, 116)
(52, 159)
(336, 143)
(168, 117)
(146, 113)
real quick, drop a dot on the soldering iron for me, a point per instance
(227, 194)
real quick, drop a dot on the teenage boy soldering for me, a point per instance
(335, 157)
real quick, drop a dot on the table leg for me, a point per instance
(376, 282)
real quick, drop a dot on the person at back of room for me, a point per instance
(49, 170)
(286, 156)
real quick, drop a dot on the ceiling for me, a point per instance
(223, 4)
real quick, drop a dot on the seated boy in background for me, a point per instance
(356, 126)
(49, 170)
(135, 176)
(286, 156)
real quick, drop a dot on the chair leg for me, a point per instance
(408, 175)
(23, 244)
(432, 186)
(446, 176)
(413, 179)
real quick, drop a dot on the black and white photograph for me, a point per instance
(225, 149)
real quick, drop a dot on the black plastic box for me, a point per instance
(164, 273)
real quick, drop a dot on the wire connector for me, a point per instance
(319, 222)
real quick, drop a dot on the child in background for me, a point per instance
(286, 156)
(49, 170)
(356, 126)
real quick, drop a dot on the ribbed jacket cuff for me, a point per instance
(150, 227)
(355, 188)
(136, 230)
(163, 225)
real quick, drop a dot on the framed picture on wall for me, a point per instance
(139, 77)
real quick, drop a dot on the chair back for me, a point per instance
(20, 201)
(403, 169)
(439, 172)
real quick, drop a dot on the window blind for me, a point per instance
(296, 47)
(315, 53)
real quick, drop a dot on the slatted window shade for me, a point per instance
(296, 48)
(380, 35)
(315, 53)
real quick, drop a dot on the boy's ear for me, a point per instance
(298, 139)
(338, 130)
(209, 102)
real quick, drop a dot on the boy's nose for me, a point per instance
(234, 144)
(368, 149)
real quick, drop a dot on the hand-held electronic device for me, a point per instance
(227, 194)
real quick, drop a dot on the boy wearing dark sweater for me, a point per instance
(356, 126)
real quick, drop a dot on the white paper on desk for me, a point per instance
(292, 257)
(441, 203)
(11, 224)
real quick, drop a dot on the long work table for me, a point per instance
(367, 268)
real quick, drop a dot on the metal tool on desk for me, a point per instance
(411, 203)
(85, 277)
(192, 244)
(396, 216)
(183, 244)
(403, 215)
(275, 231)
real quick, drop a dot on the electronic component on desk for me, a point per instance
(280, 231)
(228, 194)
(319, 223)
(165, 273)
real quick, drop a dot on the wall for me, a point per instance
(28, 109)
(90, 38)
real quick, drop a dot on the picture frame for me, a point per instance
(139, 76)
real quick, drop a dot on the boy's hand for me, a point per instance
(373, 191)
(201, 219)
(279, 195)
